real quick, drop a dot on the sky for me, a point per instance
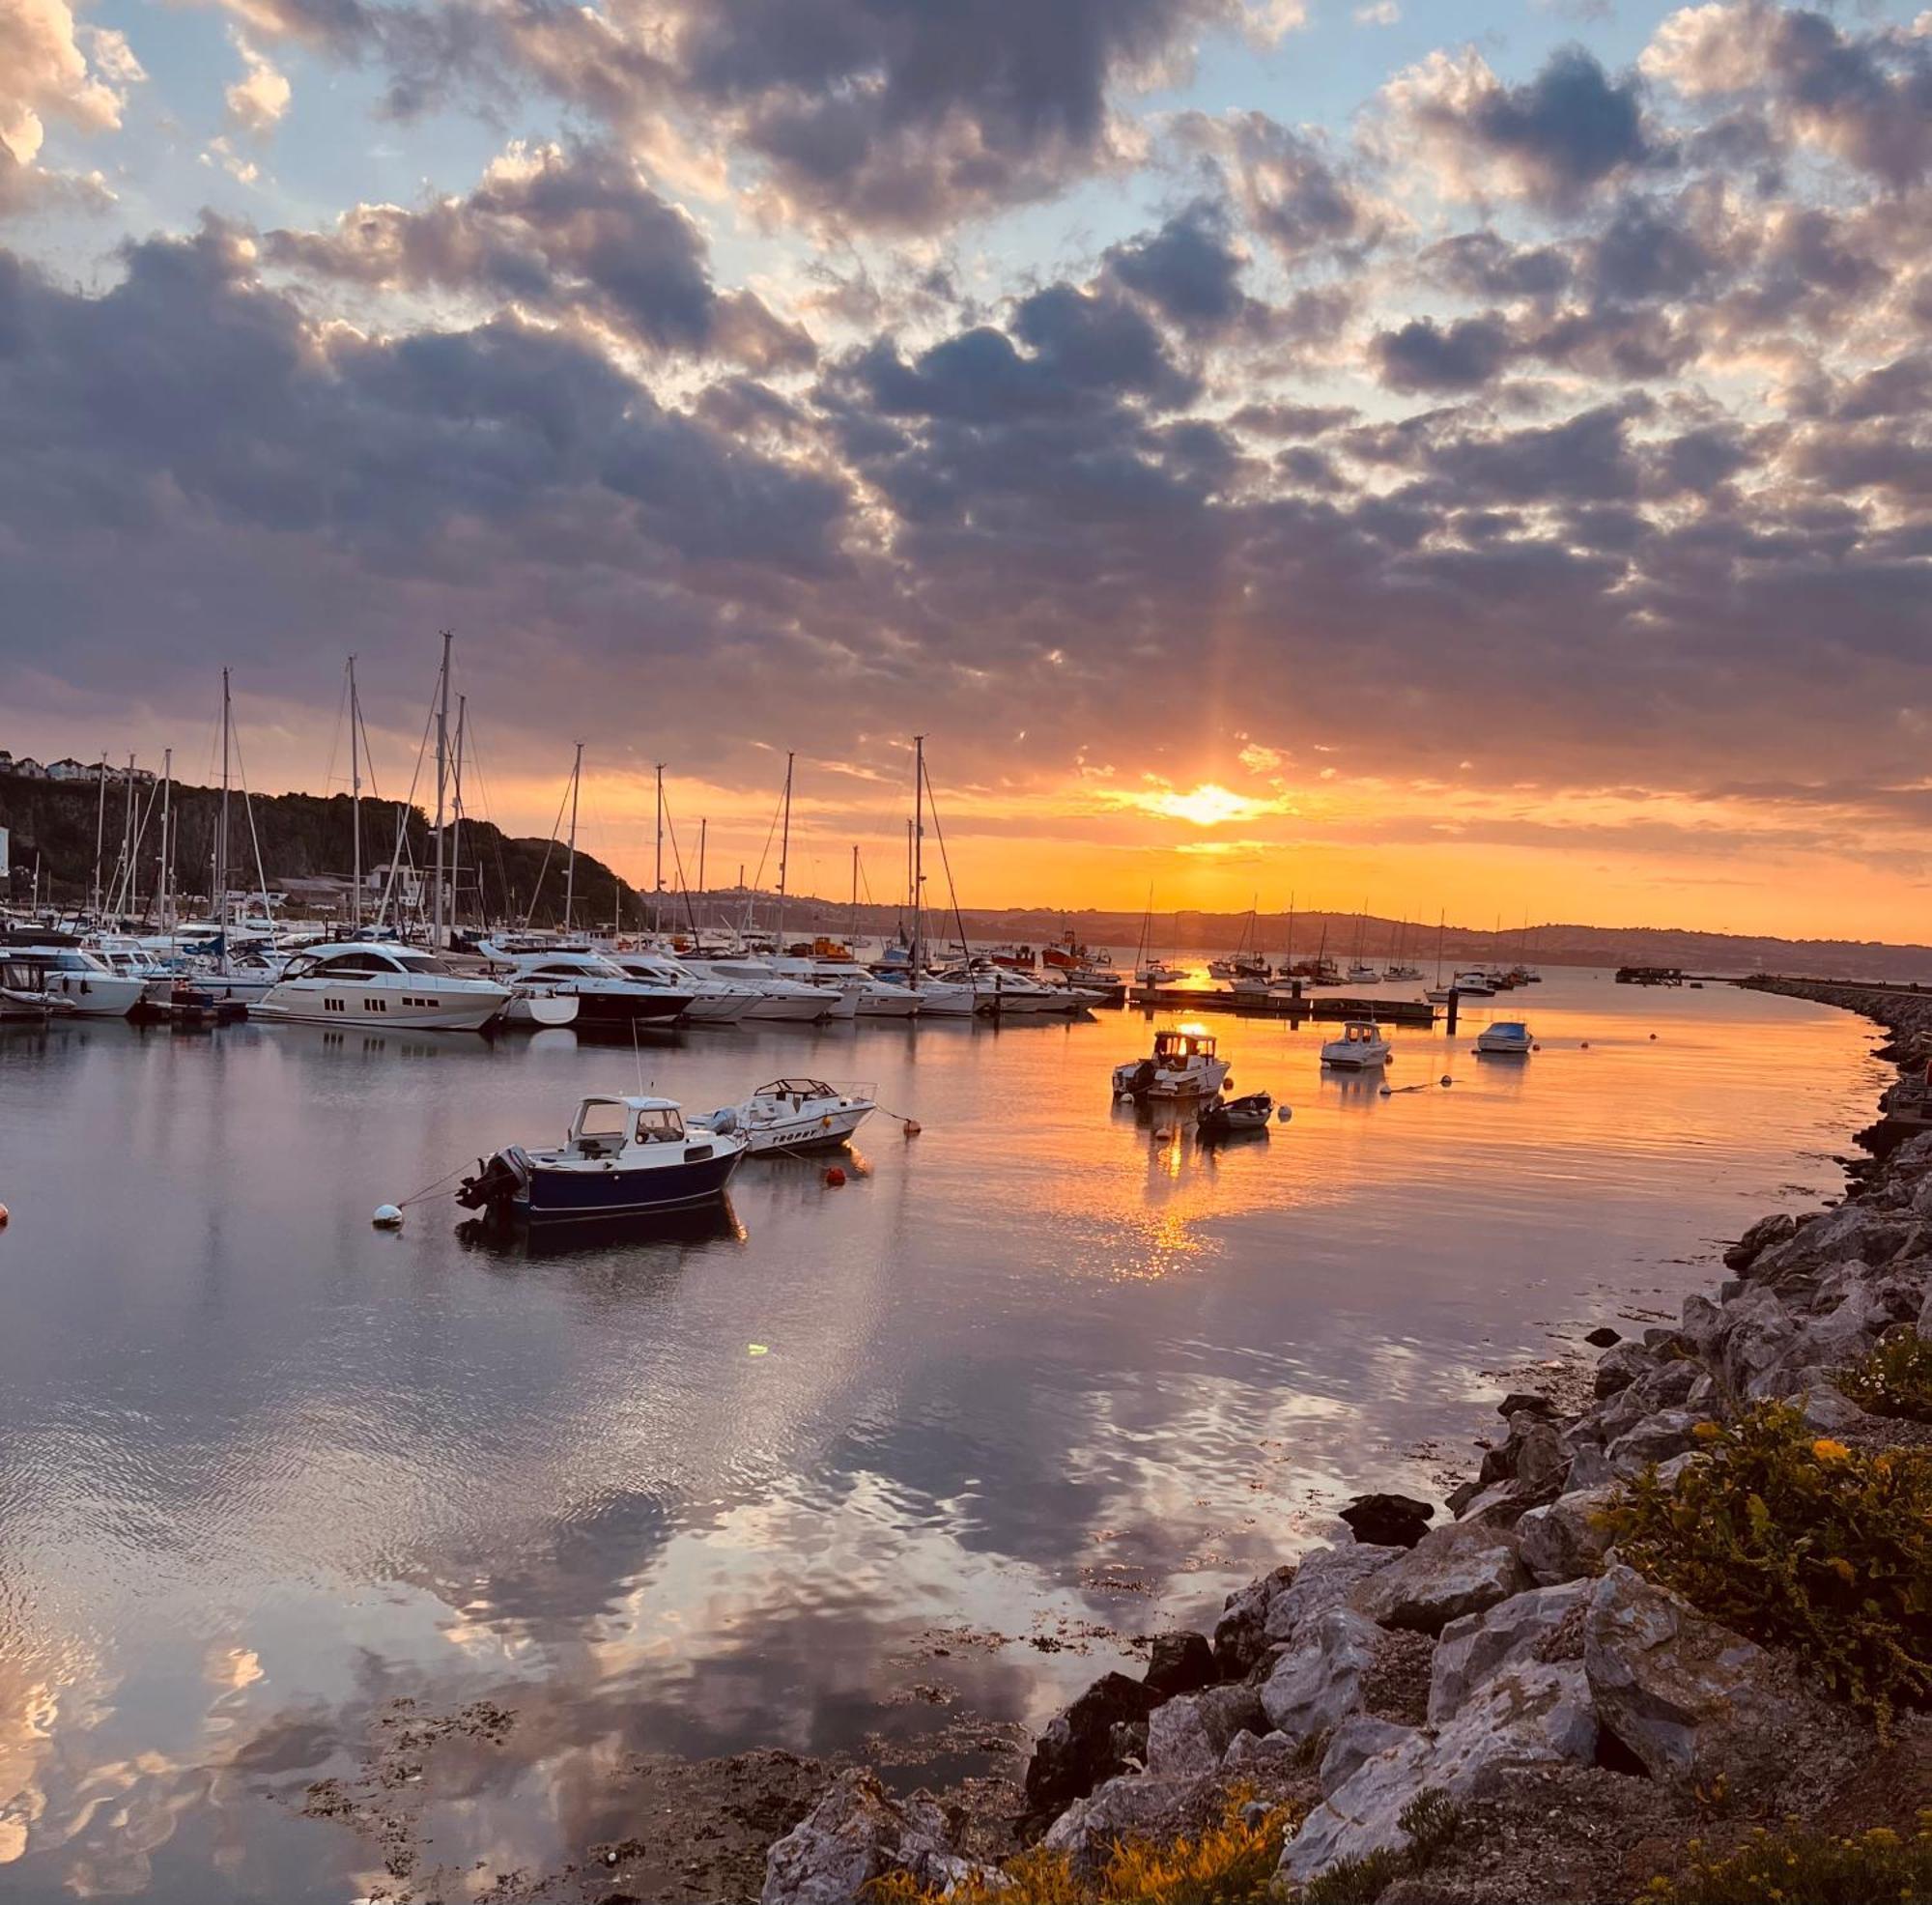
(1414, 453)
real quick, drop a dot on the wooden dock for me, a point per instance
(1283, 1004)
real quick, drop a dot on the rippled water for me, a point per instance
(1041, 1369)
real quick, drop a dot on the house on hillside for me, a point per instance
(71, 769)
(26, 767)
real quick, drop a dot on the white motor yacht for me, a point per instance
(84, 984)
(806, 971)
(1474, 985)
(606, 994)
(871, 997)
(776, 998)
(795, 1115)
(366, 983)
(713, 1001)
(1360, 1046)
(1183, 1065)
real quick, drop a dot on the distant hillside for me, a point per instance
(301, 836)
(308, 835)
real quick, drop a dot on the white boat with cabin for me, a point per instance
(368, 983)
(795, 1115)
(1183, 1065)
(1360, 1046)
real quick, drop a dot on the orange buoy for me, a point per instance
(834, 1176)
(912, 1127)
(5, 1213)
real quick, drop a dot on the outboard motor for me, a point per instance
(493, 1187)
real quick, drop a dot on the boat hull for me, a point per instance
(555, 1196)
(382, 1009)
(96, 995)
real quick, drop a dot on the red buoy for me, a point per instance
(834, 1176)
(912, 1127)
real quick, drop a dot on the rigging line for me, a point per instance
(248, 808)
(771, 834)
(549, 846)
(677, 867)
(497, 842)
(403, 819)
(335, 735)
(932, 803)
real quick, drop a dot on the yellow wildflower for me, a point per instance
(1826, 1450)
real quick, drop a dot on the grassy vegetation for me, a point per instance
(1807, 1868)
(1895, 1379)
(1798, 1540)
(1231, 1863)
(1431, 1820)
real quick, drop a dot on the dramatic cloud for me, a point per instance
(260, 98)
(563, 233)
(52, 67)
(1552, 140)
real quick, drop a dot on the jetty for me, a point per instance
(1291, 1005)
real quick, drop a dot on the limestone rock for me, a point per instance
(1620, 1368)
(854, 1834)
(1561, 1541)
(1263, 1759)
(1688, 1697)
(1356, 1741)
(1318, 1683)
(1133, 1805)
(1076, 1752)
(1457, 1570)
(1388, 1521)
(1475, 1648)
(1325, 1578)
(1531, 1714)
(1240, 1635)
(1188, 1736)
(1762, 1235)
(1179, 1664)
(1656, 1438)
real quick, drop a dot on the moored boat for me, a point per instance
(1234, 1118)
(365, 982)
(1182, 1064)
(794, 1115)
(1506, 1039)
(625, 1156)
(1360, 1046)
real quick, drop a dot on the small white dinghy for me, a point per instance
(1360, 1046)
(1506, 1039)
(1183, 1065)
(795, 1115)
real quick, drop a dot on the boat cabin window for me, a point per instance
(353, 965)
(418, 962)
(796, 1087)
(660, 1126)
(1172, 1045)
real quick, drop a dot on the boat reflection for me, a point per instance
(710, 1223)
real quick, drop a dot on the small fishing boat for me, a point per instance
(1159, 972)
(624, 1157)
(1183, 1065)
(1234, 1118)
(1506, 1039)
(794, 1115)
(1360, 1046)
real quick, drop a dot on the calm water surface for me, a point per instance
(1043, 1368)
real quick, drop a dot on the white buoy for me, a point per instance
(387, 1217)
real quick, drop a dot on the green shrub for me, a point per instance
(1807, 1868)
(1895, 1379)
(1800, 1542)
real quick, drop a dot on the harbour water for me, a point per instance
(1044, 1374)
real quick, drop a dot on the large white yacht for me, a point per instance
(606, 993)
(778, 998)
(86, 985)
(365, 982)
(713, 1001)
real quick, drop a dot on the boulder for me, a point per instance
(1543, 1459)
(1324, 1580)
(1135, 1805)
(1762, 1235)
(1603, 1337)
(1240, 1635)
(1690, 1698)
(1656, 1438)
(1179, 1664)
(1830, 1412)
(1077, 1749)
(1388, 1521)
(1620, 1368)
(857, 1834)
(1189, 1736)
(1457, 1570)
(1589, 1468)
(1268, 1760)
(1562, 1540)
(1475, 1648)
(1526, 1401)
(1356, 1741)
(1531, 1714)
(1316, 1683)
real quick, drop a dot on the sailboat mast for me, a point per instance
(100, 832)
(1441, 926)
(221, 829)
(456, 818)
(784, 854)
(441, 787)
(702, 825)
(355, 802)
(657, 899)
(570, 867)
(1289, 957)
(127, 864)
(854, 893)
(918, 852)
(161, 871)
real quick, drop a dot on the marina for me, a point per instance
(1049, 1369)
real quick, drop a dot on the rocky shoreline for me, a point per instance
(1564, 1725)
